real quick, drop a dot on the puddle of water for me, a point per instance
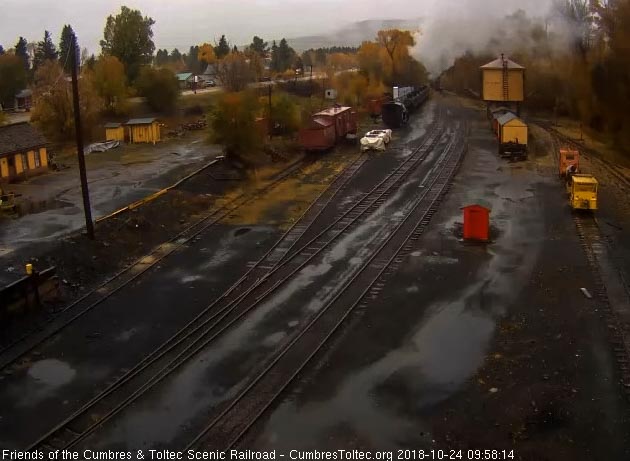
(51, 372)
(274, 338)
(242, 231)
(191, 278)
(126, 335)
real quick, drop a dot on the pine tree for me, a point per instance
(259, 46)
(192, 60)
(176, 56)
(65, 45)
(223, 48)
(161, 57)
(22, 52)
(45, 51)
(285, 54)
(275, 65)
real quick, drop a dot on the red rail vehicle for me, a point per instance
(329, 127)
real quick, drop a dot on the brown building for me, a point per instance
(22, 152)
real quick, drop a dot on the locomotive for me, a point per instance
(395, 113)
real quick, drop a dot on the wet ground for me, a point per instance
(172, 413)
(58, 376)
(471, 346)
(53, 203)
(488, 346)
(116, 334)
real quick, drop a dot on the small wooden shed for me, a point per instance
(145, 130)
(114, 132)
(477, 221)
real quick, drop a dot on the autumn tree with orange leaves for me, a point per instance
(206, 54)
(388, 59)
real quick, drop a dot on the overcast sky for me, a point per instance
(181, 23)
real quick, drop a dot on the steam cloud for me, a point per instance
(452, 27)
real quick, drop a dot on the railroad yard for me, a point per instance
(335, 304)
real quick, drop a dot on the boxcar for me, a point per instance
(342, 117)
(329, 127)
(319, 135)
(513, 134)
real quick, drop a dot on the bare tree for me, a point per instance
(235, 72)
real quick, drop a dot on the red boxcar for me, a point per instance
(344, 119)
(319, 135)
(375, 106)
(328, 127)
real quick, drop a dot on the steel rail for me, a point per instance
(144, 263)
(440, 181)
(589, 233)
(77, 436)
(338, 182)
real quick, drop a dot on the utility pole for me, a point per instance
(89, 225)
(270, 117)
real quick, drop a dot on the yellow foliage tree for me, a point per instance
(396, 43)
(110, 82)
(374, 62)
(206, 54)
(53, 110)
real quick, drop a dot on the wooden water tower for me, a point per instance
(503, 83)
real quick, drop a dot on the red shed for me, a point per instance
(476, 222)
(319, 135)
(344, 119)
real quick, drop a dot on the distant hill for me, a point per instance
(353, 34)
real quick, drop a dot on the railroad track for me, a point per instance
(614, 170)
(221, 314)
(231, 423)
(131, 272)
(593, 242)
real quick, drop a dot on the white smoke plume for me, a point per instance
(451, 27)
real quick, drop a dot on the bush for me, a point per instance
(160, 87)
(233, 123)
(284, 115)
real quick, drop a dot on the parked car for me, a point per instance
(209, 83)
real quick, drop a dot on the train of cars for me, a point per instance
(331, 126)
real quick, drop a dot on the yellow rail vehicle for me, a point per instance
(583, 192)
